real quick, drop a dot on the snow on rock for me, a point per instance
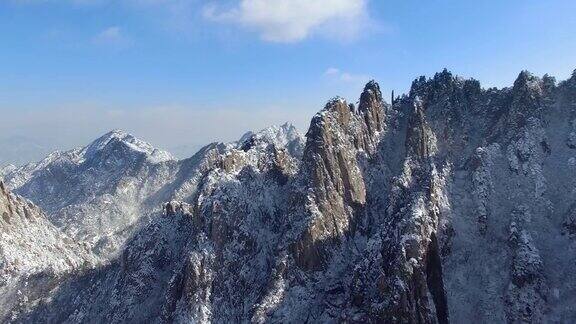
(118, 136)
(102, 193)
(95, 193)
(7, 169)
(527, 292)
(30, 248)
(482, 181)
(447, 206)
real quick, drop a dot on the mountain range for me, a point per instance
(450, 203)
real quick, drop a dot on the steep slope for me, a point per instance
(509, 199)
(453, 203)
(32, 252)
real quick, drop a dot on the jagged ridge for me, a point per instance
(452, 204)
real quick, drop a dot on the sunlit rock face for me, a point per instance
(454, 203)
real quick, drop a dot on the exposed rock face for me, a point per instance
(335, 187)
(339, 141)
(33, 254)
(454, 204)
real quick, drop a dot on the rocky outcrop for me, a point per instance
(338, 140)
(482, 162)
(34, 254)
(30, 242)
(412, 287)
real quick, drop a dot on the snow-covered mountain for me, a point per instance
(100, 193)
(95, 193)
(453, 203)
(33, 253)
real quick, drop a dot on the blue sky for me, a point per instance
(181, 73)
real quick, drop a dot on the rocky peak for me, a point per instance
(97, 190)
(371, 107)
(109, 138)
(444, 81)
(419, 138)
(338, 109)
(527, 83)
(359, 126)
(370, 95)
(333, 179)
(527, 99)
(549, 81)
(289, 132)
(571, 82)
(446, 94)
(338, 134)
(441, 81)
(334, 118)
(329, 137)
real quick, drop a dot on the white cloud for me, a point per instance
(74, 2)
(284, 21)
(332, 71)
(112, 37)
(290, 21)
(336, 74)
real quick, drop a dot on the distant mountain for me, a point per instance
(453, 203)
(19, 150)
(102, 192)
(94, 193)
